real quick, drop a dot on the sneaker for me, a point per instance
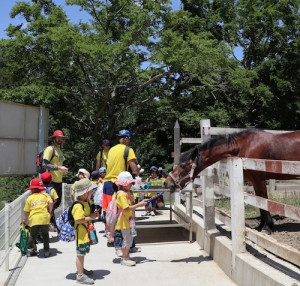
(119, 252)
(32, 253)
(143, 214)
(152, 213)
(134, 249)
(128, 262)
(110, 243)
(83, 279)
(88, 272)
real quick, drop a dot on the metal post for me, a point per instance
(176, 154)
(41, 135)
(236, 179)
(6, 236)
(191, 216)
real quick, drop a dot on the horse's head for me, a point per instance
(185, 171)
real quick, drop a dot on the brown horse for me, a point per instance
(250, 143)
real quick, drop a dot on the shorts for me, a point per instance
(83, 249)
(127, 238)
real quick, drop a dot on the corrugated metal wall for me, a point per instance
(20, 126)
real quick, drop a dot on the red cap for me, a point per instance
(36, 183)
(46, 177)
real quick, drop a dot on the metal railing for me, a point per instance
(10, 219)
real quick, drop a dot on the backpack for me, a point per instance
(48, 191)
(65, 224)
(112, 213)
(40, 158)
(98, 196)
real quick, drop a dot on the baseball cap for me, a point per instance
(105, 142)
(46, 177)
(102, 170)
(124, 133)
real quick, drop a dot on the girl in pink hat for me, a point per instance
(125, 181)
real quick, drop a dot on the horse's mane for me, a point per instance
(216, 140)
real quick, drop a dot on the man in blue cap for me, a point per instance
(121, 156)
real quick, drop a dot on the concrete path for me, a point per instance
(166, 258)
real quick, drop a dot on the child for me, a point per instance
(38, 208)
(82, 173)
(82, 217)
(47, 178)
(125, 181)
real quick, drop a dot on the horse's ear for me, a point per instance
(195, 153)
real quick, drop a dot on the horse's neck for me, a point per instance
(217, 153)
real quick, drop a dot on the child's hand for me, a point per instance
(143, 202)
(94, 214)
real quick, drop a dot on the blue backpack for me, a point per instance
(65, 224)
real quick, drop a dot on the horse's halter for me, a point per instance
(189, 174)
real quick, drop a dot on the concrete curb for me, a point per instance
(249, 270)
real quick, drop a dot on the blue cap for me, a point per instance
(153, 167)
(124, 133)
(102, 170)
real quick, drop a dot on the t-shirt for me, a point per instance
(57, 160)
(104, 158)
(123, 202)
(37, 206)
(79, 213)
(53, 194)
(116, 162)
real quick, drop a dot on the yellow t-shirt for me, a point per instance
(37, 206)
(104, 158)
(54, 195)
(116, 162)
(79, 213)
(123, 202)
(57, 160)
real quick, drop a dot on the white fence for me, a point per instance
(233, 186)
(10, 218)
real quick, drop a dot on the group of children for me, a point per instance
(39, 210)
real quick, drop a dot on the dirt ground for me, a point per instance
(286, 230)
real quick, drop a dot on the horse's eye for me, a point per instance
(182, 166)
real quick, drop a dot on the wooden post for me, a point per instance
(208, 206)
(236, 179)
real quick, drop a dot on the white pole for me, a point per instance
(6, 236)
(236, 179)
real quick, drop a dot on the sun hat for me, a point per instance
(102, 170)
(85, 172)
(124, 133)
(105, 142)
(95, 175)
(46, 177)
(58, 133)
(153, 168)
(83, 186)
(124, 179)
(36, 183)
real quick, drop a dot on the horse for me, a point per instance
(249, 143)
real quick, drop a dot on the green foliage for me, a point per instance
(140, 66)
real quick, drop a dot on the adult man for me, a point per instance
(54, 164)
(116, 164)
(102, 155)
